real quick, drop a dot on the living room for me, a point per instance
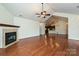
(25, 23)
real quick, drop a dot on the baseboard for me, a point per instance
(58, 34)
(30, 37)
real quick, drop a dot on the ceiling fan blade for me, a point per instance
(38, 16)
(47, 14)
(37, 13)
(44, 11)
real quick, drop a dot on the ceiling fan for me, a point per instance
(42, 14)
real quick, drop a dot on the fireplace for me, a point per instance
(10, 37)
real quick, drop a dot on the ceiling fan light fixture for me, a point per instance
(43, 14)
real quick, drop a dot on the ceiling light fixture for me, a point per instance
(42, 14)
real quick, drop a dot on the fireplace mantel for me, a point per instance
(6, 28)
(7, 25)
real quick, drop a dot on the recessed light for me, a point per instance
(77, 6)
(20, 15)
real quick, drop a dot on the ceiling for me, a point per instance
(28, 10)
(72, 8)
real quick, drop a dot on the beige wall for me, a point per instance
(73, 24)
(60, 26)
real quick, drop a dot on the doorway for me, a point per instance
(58, 26)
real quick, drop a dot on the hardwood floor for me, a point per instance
(53, 45)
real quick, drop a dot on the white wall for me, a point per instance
(60, 27)
(73, 25)
(28, 28)
(1, 37)
(5, 16)
(42, 28)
